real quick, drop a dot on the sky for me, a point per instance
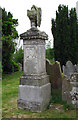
(19, 10)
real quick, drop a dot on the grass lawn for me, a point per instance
(9, 102)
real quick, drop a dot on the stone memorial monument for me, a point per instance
(70, 84)
(34, 88)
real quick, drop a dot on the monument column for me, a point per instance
(34, 88)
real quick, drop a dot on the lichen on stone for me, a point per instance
(35, 15)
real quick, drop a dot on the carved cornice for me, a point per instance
(34, 33)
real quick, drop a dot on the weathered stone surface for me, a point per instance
(74, 77)
(35, 16)
(34, 80)
(34, 88)
(69, 69)
(34, 98)
(34, 33)
(66, 88)
(70, 84)
(74, 96)
(54, 73)
(34, 59)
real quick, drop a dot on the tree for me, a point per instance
(9, 33)
(73, 36)
(18, 56)
(64, 30)
(50, 53)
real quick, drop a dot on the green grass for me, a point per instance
(9, 102)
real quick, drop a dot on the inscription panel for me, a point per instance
(30, 60)
(30, 53)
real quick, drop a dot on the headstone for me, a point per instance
(69, 69)
(55, 76)
(70, 84)
(34, 88)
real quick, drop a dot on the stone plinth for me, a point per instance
(34, 98)
(34, 88)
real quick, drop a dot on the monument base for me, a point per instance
(34, 98)
(34, 80)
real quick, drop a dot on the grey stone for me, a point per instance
(35, 16)
(69, 69)
(34, 33)
(66, 88)
(74, 96)
(34, 88)
(34, 98)
(34, 59)
(74, 77)
(70, 84)
(34, 80)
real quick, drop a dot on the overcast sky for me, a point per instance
(19, 10)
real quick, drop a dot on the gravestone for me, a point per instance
(69, 69)
(70, 84)
(34, 88)
(55, 76)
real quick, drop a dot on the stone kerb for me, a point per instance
(70, 84)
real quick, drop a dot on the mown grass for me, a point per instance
(9, 102)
